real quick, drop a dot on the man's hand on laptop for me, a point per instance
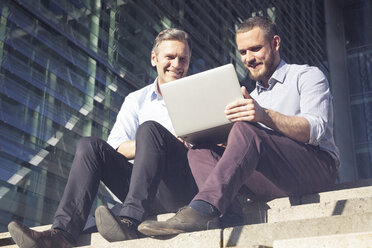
(246, 109)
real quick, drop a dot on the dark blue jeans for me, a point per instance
(159, 181)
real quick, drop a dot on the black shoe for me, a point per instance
(114, 228)
(25, 237)
(186, 220)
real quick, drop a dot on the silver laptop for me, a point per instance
(196, 104)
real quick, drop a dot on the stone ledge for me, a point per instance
(319, 204)
(357, 240)
(249, 236)
(6, 240)
(209, 239)
(326, 196)
(84, 240)
(342, 201)
(323, 209)
(264, 234)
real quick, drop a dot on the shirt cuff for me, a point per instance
(316, 129)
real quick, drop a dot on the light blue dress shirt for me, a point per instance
(302, 90)
(139, 106)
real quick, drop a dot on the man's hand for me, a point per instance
(128, 149)
(246, 109)
(187, 145)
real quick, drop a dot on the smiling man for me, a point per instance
(172, 62)
(281, 143)
(160, 179)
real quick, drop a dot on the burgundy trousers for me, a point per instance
(261, 163)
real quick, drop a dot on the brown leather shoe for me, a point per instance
(114, 228)
(24, 237)
(186, 220)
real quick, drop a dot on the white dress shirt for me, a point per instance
(139, 106)
(301, 90)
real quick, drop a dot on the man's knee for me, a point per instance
(193, 155)
(244, 126)
(245, 129)
(149, 128)
(205, 152)
(148, 125)
(88, 145)
(245, 136)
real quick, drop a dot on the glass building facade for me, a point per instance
(67, 65)
(358, 44)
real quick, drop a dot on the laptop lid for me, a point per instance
(196, 104)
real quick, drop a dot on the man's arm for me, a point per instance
(128, 149)
(295, 127)
(123, 132)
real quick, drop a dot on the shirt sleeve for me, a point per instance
(315, 99)
(126, 123)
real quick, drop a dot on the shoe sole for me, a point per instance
(150, 231)
(107, 225)
(155, 228)
(19, 237)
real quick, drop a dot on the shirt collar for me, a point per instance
(155, 92)
(277, 77)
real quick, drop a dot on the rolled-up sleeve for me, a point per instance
(315, 99)
(126, 123)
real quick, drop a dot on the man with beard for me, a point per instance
(281, 143)
(160, 179)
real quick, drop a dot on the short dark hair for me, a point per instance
(265, 24)
(171, 34)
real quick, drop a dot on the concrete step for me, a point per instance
(337, 202)
(338, 192)
(265, 234)
(85, 240)
(284, 217)
(6, 240)
(360, 240)
(249, 236)
(211, 238)
(323, 209)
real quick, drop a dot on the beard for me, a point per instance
(267, 70)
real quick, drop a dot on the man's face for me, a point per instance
(172, 60)
(259, 55)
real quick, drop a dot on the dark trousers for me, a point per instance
(261, 163)
(159, 181)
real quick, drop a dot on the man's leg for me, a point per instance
(161, 179)
(260, 188)
(160, 159)
(94, 160)
(265, 161)
(268, 163)
(209, 156)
